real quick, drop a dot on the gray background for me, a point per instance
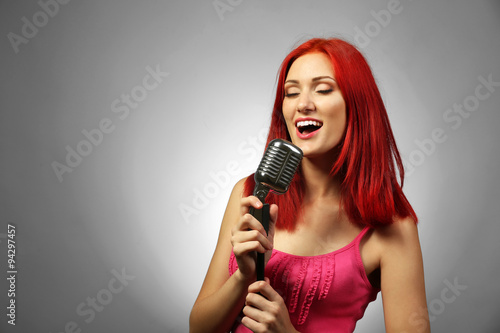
(189, 139)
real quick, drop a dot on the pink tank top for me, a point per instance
(323, 293)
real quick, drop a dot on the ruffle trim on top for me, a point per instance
(316, 273)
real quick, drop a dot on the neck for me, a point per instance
(318, 183)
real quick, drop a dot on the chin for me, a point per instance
(312, 151)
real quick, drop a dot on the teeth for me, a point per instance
(308, 123)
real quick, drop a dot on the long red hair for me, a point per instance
(368, 160)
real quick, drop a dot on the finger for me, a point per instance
(252, 325)
(250, 201)
(273, 213)
(248, 221)
(265, 289)
(255, 319)
(256, 300)
(250, 229)
(248, 235)
(252, 312)
(243, 247)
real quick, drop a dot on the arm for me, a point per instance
(402, 279)
(222, 297)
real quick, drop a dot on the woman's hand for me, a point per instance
(265, 310)
(249, 236)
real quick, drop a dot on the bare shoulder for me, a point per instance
(237, 192)
(397, 240)
(403, 231)
(230, 217)
(233, 205)
(239, 186)
(398, 246)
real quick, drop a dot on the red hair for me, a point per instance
(368, 157)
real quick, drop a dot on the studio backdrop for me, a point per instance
(124, 126)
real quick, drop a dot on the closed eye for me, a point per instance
(325, 91)
(291, 94)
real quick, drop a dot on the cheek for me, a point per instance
(338, 109)
(338, 116)
(286, 107)
(287, 114)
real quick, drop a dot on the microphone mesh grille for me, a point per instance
(278, 166)
(272, 161)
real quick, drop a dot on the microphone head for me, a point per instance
(278, 165)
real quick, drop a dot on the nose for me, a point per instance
(305, 103)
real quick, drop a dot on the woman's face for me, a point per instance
(313, 106)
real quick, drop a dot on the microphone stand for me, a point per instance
(262, 215)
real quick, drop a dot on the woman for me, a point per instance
(345, 229)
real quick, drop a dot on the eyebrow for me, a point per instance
(317, 78)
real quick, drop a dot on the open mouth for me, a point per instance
(306, 127)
